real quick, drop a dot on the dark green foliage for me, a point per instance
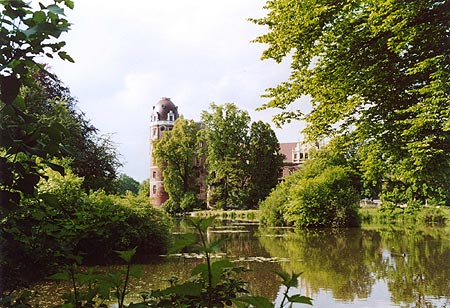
(126, 183)
(264, 163)
(26, 34)
(94, 157)
(243, 160)
(226, 133)
(64, 222)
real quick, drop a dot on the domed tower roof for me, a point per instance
(163, 109)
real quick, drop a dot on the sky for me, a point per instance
(129, 54)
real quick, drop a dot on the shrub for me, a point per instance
(64, 222)
(122, 223)
(327, 200)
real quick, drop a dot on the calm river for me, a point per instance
(367, 267)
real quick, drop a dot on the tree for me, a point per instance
(126, 183)
(243, 159)
(26, 34)
(266, 161)
(144, 188)
(226, 132)
(94, 157)
(378, 70)
(175, 155)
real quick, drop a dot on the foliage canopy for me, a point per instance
(378, 70)
(242, 158)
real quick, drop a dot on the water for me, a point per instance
(367, 267)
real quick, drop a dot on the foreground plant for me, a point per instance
(92, 289)
(212, 283)
(215, 283)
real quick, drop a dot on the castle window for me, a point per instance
(154, 174)
(171, 116)
(162, 128)
(154, 189)
(155, 131)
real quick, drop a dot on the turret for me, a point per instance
(162, 119)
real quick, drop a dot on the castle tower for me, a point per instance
(162, 119)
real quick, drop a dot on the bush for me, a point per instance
(64, 223)
(327, 200)
(120, 224)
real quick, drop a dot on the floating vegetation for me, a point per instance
(228, 231)
(262, 259)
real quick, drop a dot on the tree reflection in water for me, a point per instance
(405, 267)
(348, 262)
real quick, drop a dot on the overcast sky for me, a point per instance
(129, 54)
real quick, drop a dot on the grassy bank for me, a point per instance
(425, 215)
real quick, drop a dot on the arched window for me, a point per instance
(171, 116)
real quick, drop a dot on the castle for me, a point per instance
(162, 119)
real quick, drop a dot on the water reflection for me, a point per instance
(368, 267)
(350, 263)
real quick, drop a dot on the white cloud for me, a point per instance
(129, 54)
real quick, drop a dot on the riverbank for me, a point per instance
(424, 215)
(427, 215)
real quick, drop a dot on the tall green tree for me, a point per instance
(378, 70)
(176, 154)
(94, 156)
(243, 158)
(26, 34)
(226, 133)
(265, 162)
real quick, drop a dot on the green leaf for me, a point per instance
(205, 224)
(64, 56)
(136, 271)
(300, 299)
(9, 88)
(32, 31)
(183, 241)
(217, 269)
(39, 16)
(200, 269)
(127, 254)
(57, 168)
(285, 276)
(255, 301)
(55, 9)
(50, 199)
(69, 4)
